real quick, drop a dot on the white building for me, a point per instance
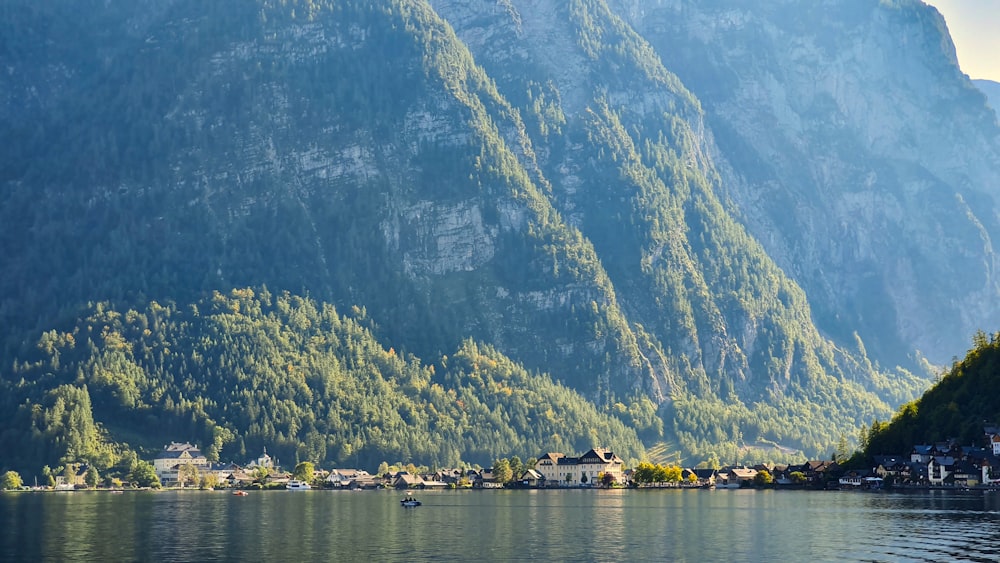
(168, 462)
(588, 469)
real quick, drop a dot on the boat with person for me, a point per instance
(408, 501)
(296, 485)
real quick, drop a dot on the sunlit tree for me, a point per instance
(304, 471)
(11, 480)
(188, 474)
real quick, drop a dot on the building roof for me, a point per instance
(743, 472)
(177, 450)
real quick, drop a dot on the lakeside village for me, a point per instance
(940, 465)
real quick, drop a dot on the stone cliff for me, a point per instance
(858, 154)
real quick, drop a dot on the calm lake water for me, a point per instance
(583, 525)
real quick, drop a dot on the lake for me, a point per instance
(519, 525)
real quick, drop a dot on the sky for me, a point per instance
(975, 29)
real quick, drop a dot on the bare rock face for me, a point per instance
(860, 156)
(439, 239)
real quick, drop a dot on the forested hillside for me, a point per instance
(248, 370)
(958, 406)
(534, 185)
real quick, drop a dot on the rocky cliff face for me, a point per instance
(860, 156)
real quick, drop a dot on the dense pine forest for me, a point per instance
(249, 370)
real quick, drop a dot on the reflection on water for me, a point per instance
(588, 525)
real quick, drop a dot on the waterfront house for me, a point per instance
(222, 471)
(744, 476)
(344, 477)
(588, 469)
(706, 476)
(405, 480)
(815, 471)
(890, 466)
(168, 462)
(487, 480)
(939, 468)
(532, 478)
(966, 474)
(860, 480)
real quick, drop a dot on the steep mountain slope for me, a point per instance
(538, 182)
(353, 150)
(858, 153)
(643, 188)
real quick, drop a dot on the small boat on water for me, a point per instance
(240, 493)
(409, 501)
(296, 485)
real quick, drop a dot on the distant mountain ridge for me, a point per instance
(623, 197)
(992, 90)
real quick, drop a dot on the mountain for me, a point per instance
(569, 185)
(992, 91)
(956, 407)
(858, 154)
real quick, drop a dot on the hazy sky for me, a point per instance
(975, 29)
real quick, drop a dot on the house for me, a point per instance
(966, 474)
(706, 476)
(744, 476)
(548, 466)
(860, 480)
(532, 478)
(168, 462)
(588, 469)
(344, 477)
(922, 453)
(431, 481)
(940, 468)
(815, 471)
(404, 480)
(277, 478)
(487, 480)
(240, 478)
(74, 476)
(918, 472)
(222, 471)
(890, 466)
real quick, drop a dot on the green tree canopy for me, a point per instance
(143, 474)
(11, 480)
(502, 471)
(92, 477)
(188, 474)
(304, 471)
